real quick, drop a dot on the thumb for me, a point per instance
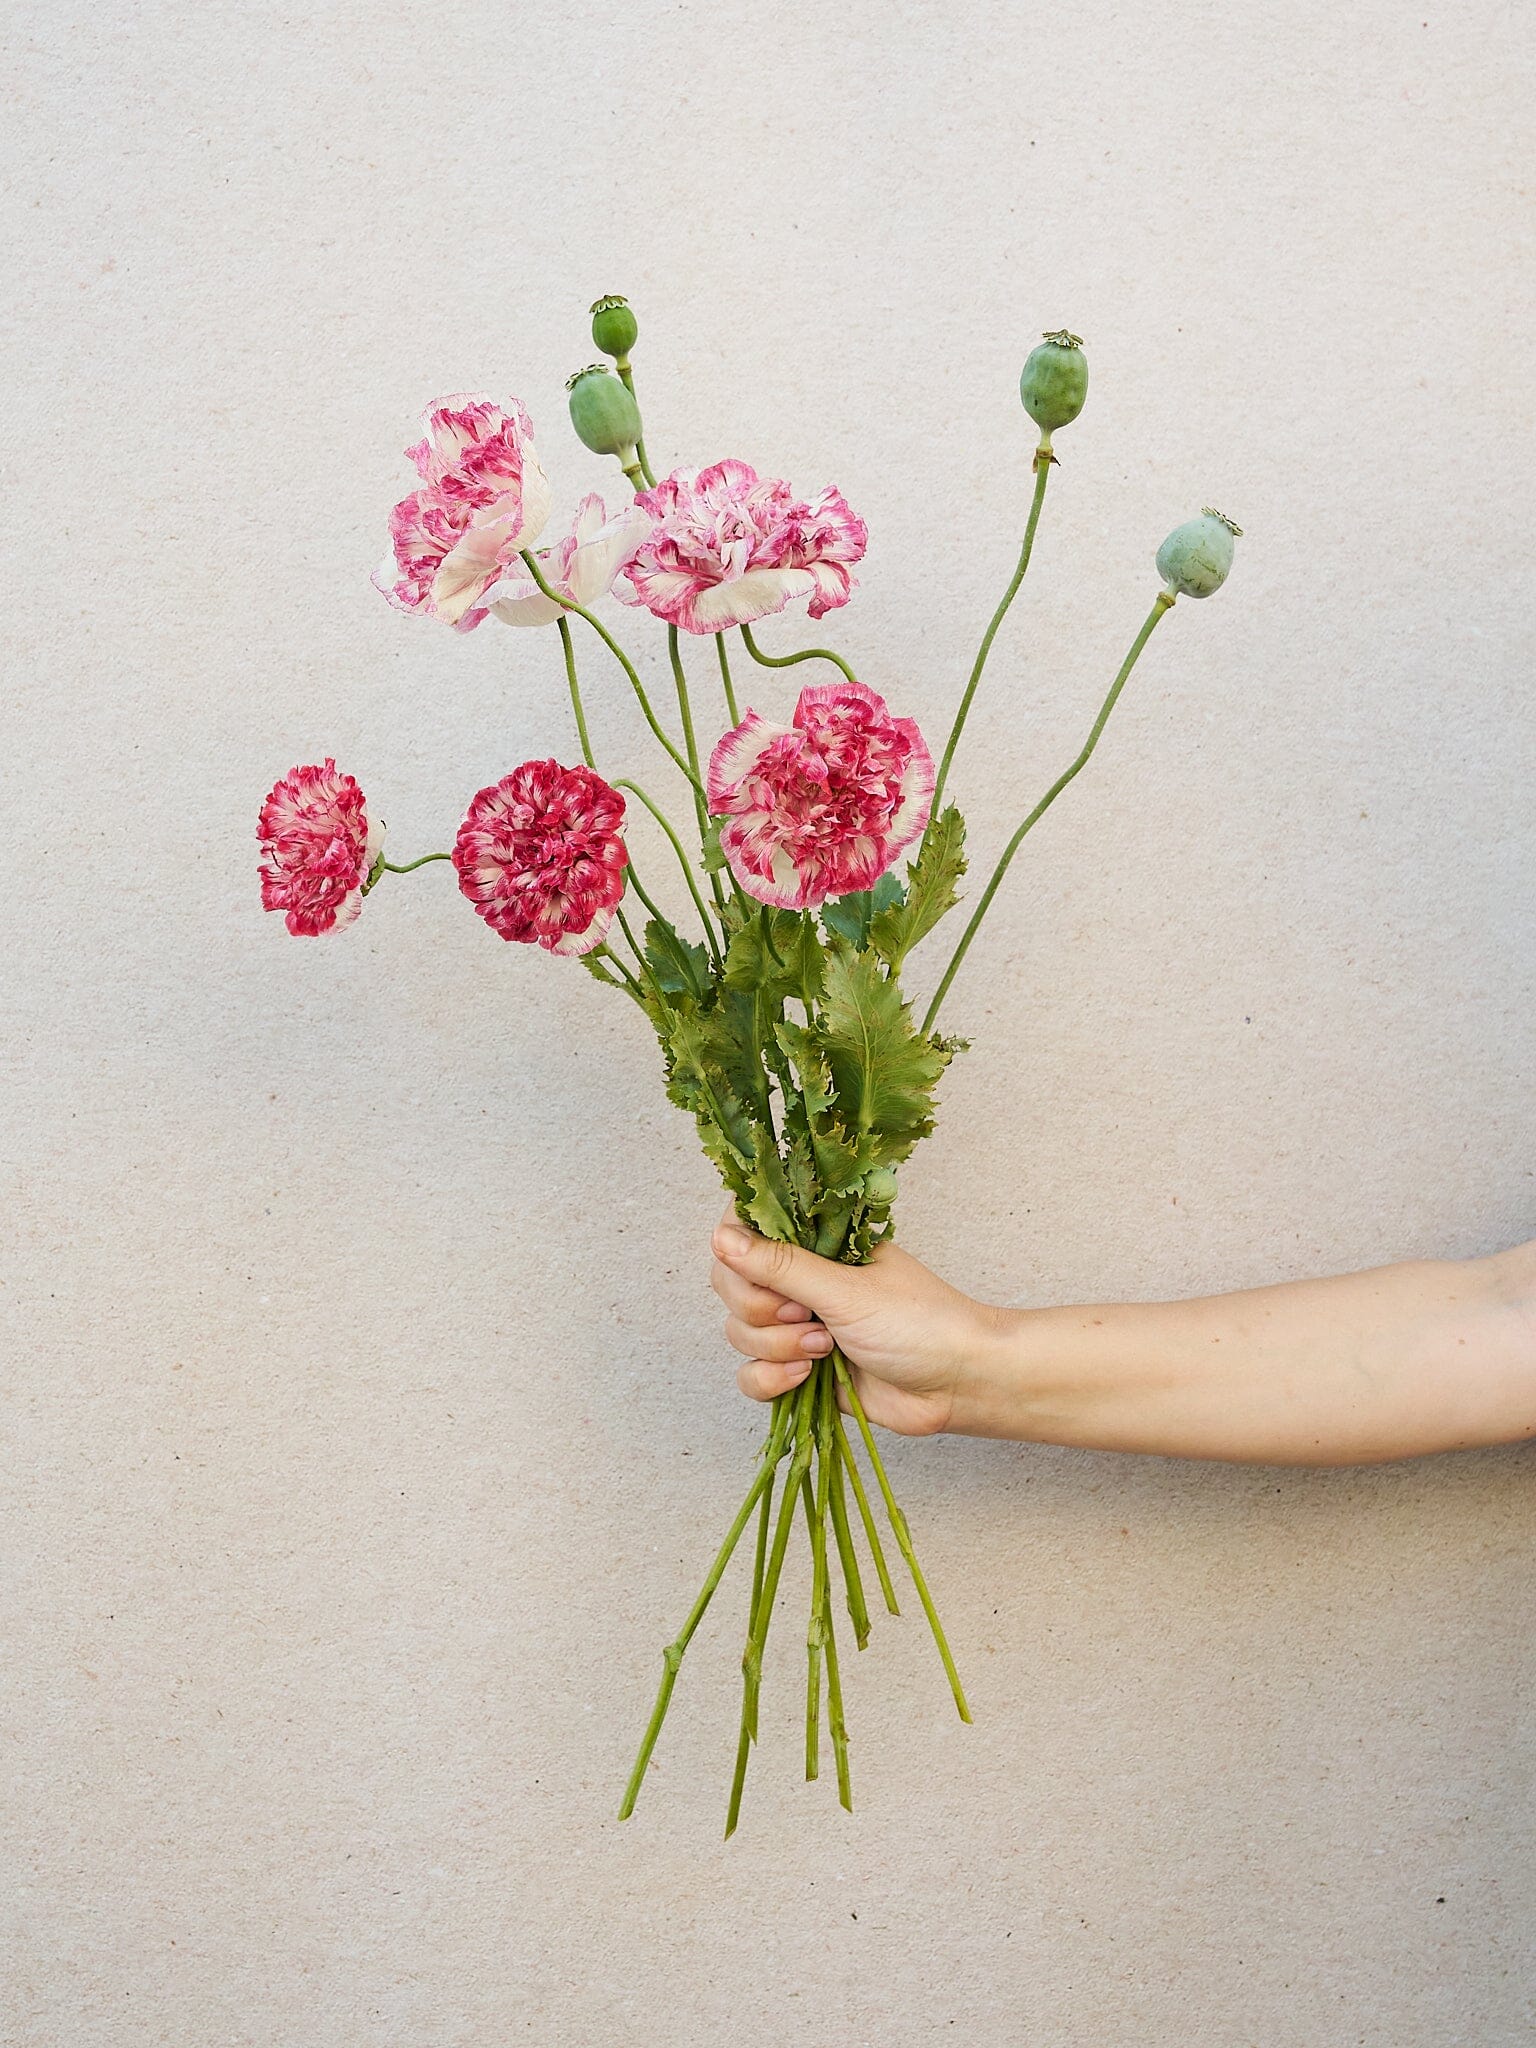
(821, 1284)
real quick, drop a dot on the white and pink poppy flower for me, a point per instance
(541, 856)
(318, 847)
(727, 547)
(826, 537)
(581, 567)
(824, 805)
(483, 497)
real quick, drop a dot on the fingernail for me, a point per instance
(792, 1312)
(815, 1342)
(732, 1244)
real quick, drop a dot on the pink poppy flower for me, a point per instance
(826, 538)
(318, 847)
(727, 547)
(581, 567)
(824, 805)
(541, 857)
(483, 497)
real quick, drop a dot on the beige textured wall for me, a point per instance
(367, 1421)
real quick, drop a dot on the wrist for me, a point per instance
(990, 1394)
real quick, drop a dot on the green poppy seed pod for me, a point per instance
(1195, 558)
(614, 326)
(1055, 382)
(880, 1186)
(603, 412)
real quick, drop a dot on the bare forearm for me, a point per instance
(1391, 1363)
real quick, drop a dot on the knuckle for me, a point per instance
(779, 1260)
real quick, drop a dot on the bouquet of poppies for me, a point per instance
(819, 854)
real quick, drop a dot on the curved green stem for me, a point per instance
(627, 379)
(853, 1583)
(639, 951)
(683, 862)
(744, 1738)
(826, 1468)
(630, 983)
(866, 1515)
(570, 676)
(725, 679)
(799, 1414)
(1042, 478)
(900, 1530)
(408, 866)
(645, 896)
(789, 660)
(569, 605)
(672, 1656)
(1161, 604)
(685, 710)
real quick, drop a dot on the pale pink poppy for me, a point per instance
(727, 547)
(581, 567)
(541, 856)
(824, 805)
(483, 497)
(318, 847)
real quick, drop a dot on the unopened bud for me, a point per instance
(603, 412)
(1195, 558)
(1055, 382)
(880, 1186)
(614, 326)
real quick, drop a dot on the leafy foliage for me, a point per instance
(932, 889)
(883, 1069)
(848, 917)
(798, 1057)
(676, 964)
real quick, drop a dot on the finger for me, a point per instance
(831, 1290)
(780, 1342)
(761, 1380)
(752, 1303)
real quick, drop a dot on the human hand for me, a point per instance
(911, 1340)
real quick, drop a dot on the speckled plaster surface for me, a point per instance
(366, 1419)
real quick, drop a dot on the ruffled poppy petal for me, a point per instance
(318, 846)
(541, 856)
(823, 806)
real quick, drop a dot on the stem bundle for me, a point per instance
(806, 1435)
